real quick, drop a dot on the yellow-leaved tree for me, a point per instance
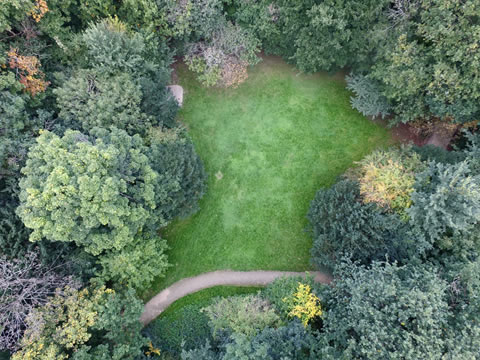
(304, 304)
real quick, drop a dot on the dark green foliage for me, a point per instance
(446, 201)
(13, 234)
(19, 124)
(367, 96)
(342, 225)
(186, 331)
(464, 300)
(182, 181)
(440, 155)
(292, 341)
(122, 83)
(111, 49)
(386, 311)
(157, 101)
(430, 69)
(341, 33)
(472, 152)
(18, 127)
(206, 17)
(261, 18)
(90, 99)
(288, 342)
(289, 18)
(204, 352)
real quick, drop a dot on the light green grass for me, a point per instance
(273, 142)
(204, 298)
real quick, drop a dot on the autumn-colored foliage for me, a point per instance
(28, 70)
(39, 10)
(386, 177)
(233, 73)
(304, 304)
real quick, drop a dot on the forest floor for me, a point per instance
(182, 288)
(267, 146)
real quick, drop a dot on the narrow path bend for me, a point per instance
(186, 286)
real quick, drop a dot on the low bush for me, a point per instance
(282, 288)
(247, 315)
(186, 331)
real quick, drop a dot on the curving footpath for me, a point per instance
(186, 286)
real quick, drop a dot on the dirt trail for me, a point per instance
(186, 286)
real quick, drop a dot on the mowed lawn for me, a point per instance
(267, 146)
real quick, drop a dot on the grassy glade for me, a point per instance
(267, 145)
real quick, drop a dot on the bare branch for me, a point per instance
(25, 284)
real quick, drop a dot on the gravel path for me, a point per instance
(186, 286)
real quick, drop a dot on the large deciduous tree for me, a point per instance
(98, 193)
(341, 33)
(104, 193)
(431, 66)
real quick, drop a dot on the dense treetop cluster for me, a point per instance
(93, 162)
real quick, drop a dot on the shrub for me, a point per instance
(282, 288)
(303, 304)
(368, 99)
(219, 60)
(341, 224)
(186, 331)
(386, 177)
(247, 315)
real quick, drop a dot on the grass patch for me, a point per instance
(268, 146)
